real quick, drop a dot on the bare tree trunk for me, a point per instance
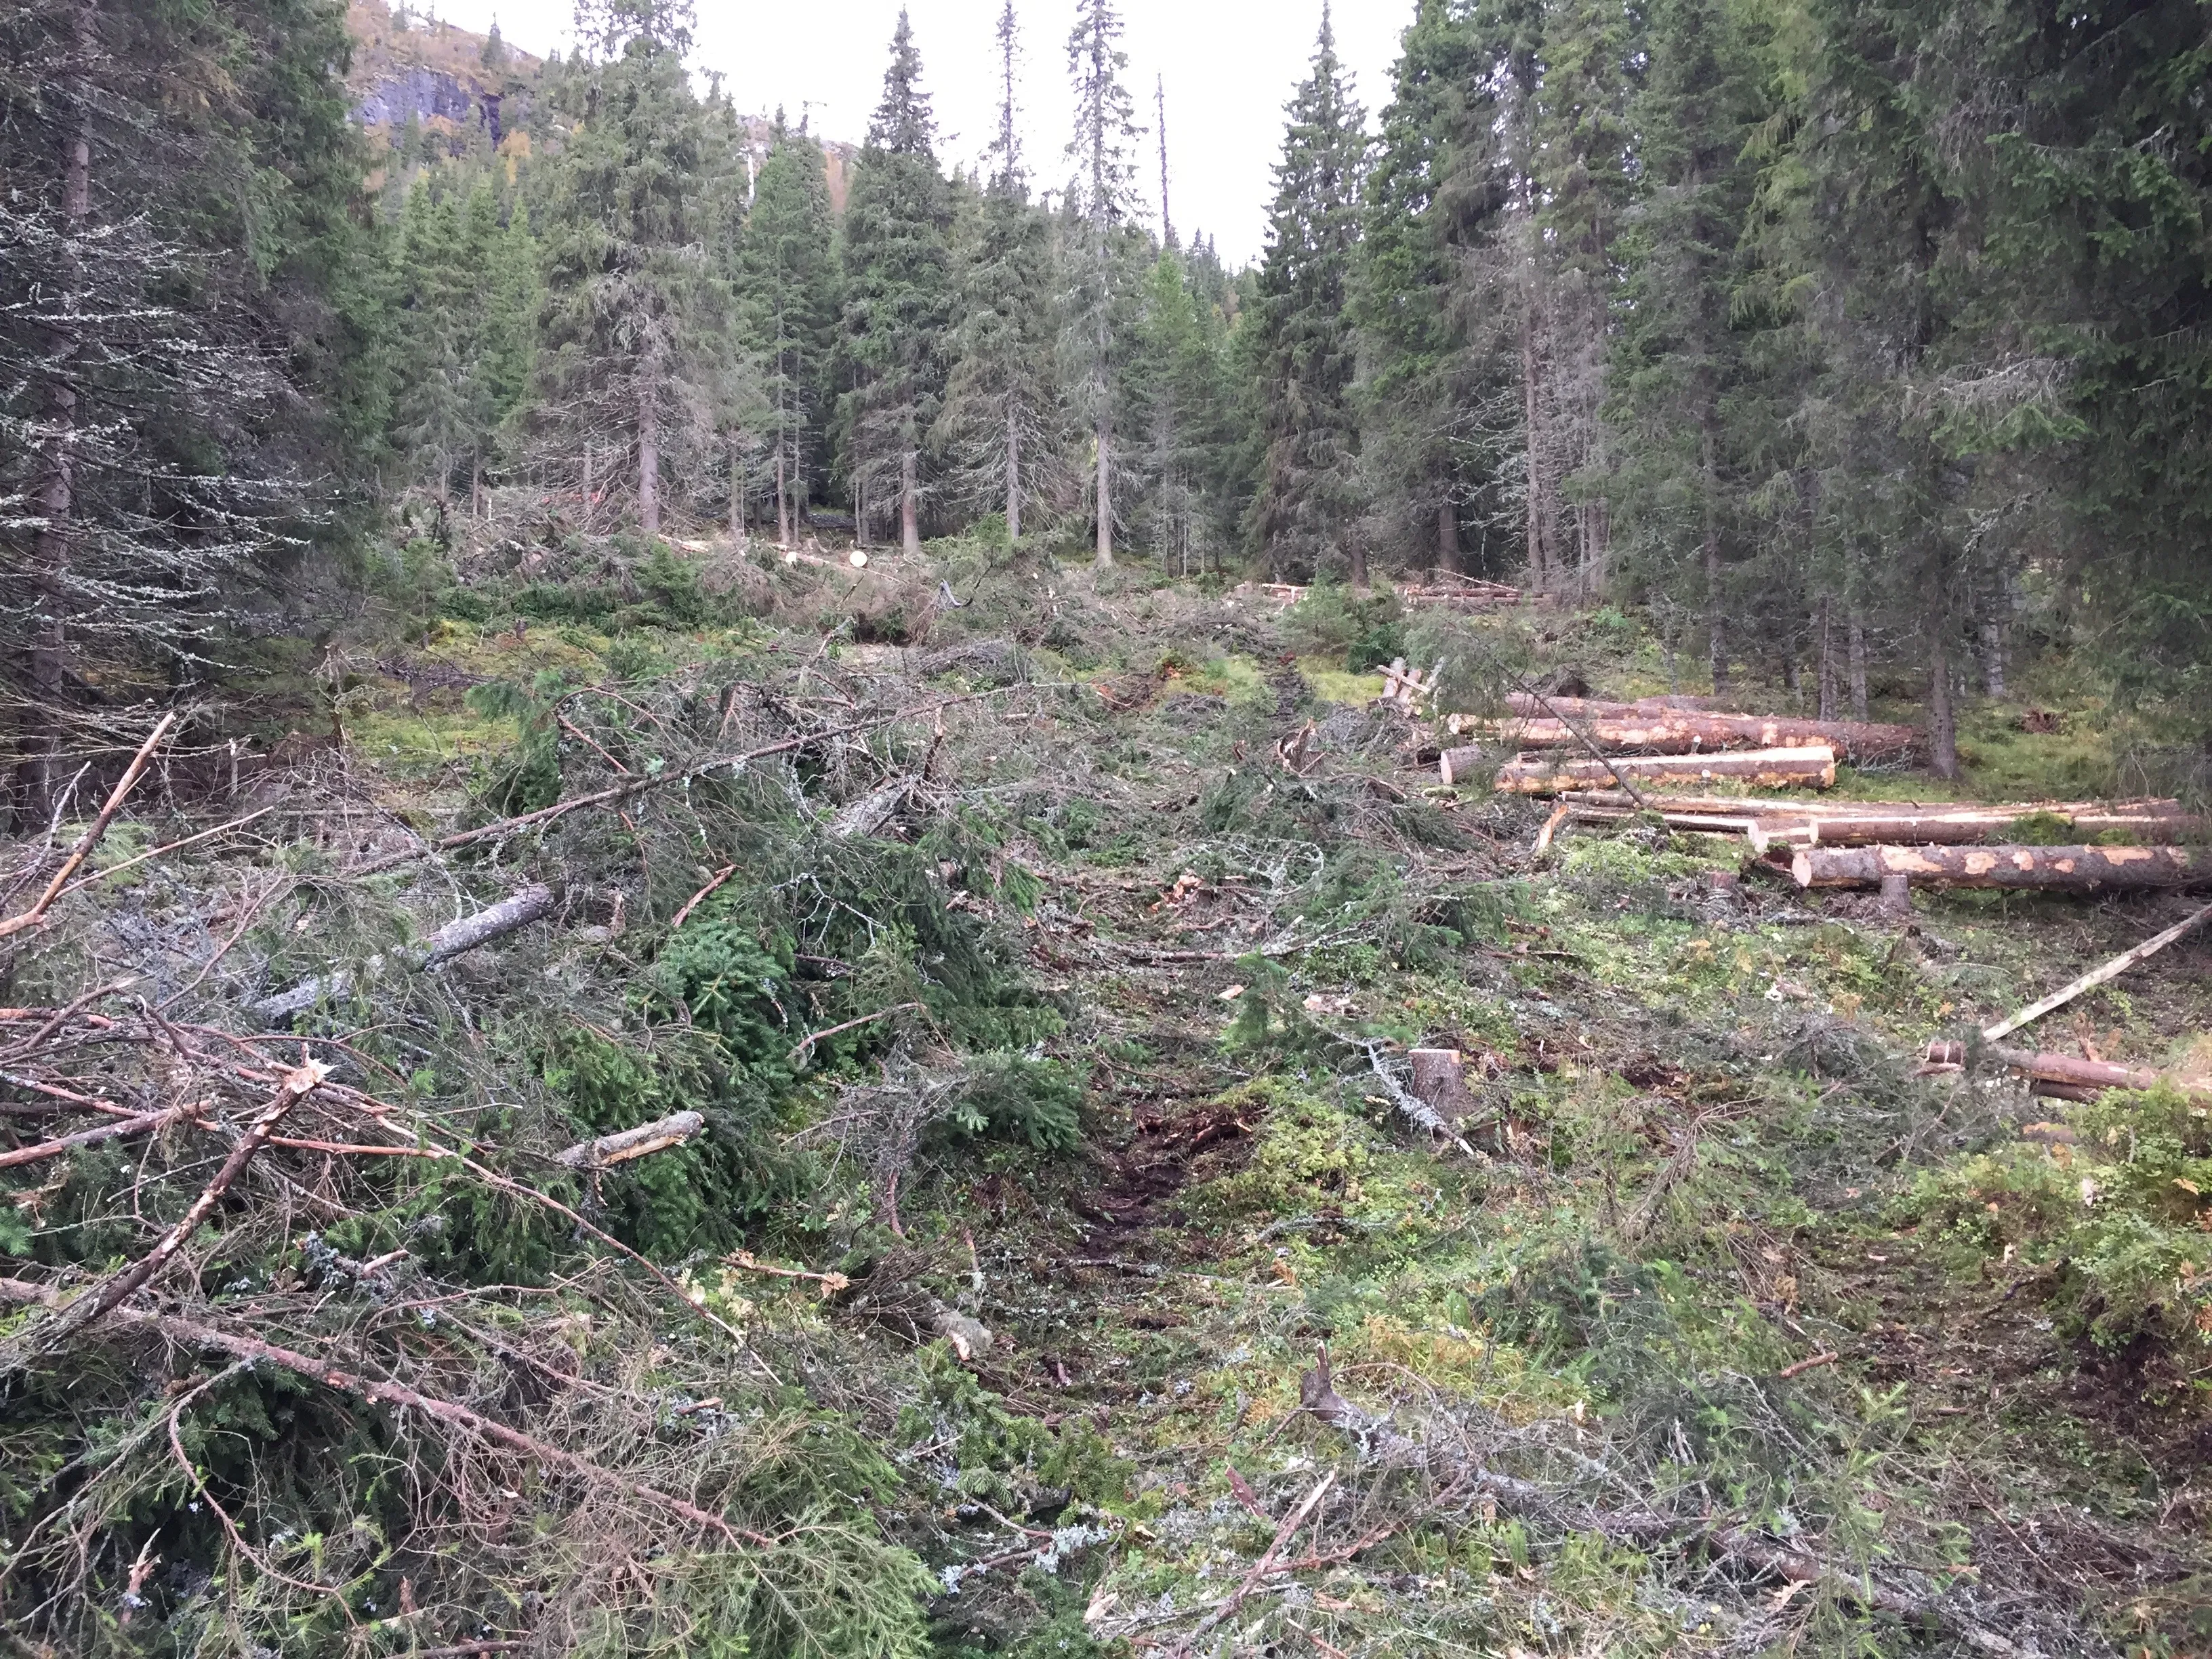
(1448, 536)
(648, 443)
(1014, 473)
(1857, 635)
(49, 650)
(737, 495)
(1994, 620)
(1827, 659)
(1942, 717)
(1358, 558)
(1105, 486)
(1539, 540)
(909, 504)
(1715, 610)
(782, 500)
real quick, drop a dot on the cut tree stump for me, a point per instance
(1675, 732)
(1440, 1083)
(2057, 869)
(1770, 769)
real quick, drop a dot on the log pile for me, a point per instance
(1626, 727)
(1462, 593)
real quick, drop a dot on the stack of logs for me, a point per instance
(1599, 756)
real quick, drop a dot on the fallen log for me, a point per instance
(509, 915)
(1964, 827)
(621, 1148)
(2089, 1078)
(1680, 733)
(2051, 869)
(1770, 769)
(2090, 981)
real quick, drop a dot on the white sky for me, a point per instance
(1230, 66)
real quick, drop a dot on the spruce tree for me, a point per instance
(639, 363)
(786, 280)
(1305, 347)
(898, 294)
(1000, 424)
(1103, 195)
(181, 274)
(1437, 398)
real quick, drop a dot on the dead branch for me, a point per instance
(647, 1138)
(103, 1299)
(36, 915)
(252, 1350)
(116, 1129)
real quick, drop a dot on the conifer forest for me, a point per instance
(764, 895)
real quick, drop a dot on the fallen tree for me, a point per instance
(1770, 769)
(2064, 1075)
(2055, 869)
(1675, 732)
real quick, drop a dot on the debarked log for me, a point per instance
(1809, 768)
(2082, 1078)
(1455, 766)
(1676, 733)
(1964, 827)
(2057, 869)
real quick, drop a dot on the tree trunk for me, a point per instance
(1827, 659)
(1105, 488)
(737, 495)
(2091, 1076)
(1942, 717)
(1686, 733)
(1810, 768)
(782, 500)
(1994, 629)
(1909, 825)
(1540, 537)
(1856, 636)
(1013, 474)
(648, 444)
(48, 666)
(2060, 869)
(1358, 557)
(1448, 536)
(910, 503)
(1715, 613)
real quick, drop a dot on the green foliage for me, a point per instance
(1016, 1097)
(529, 777)
(2121, 1220)
(1333, 620)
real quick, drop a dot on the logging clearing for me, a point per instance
(926, 1149)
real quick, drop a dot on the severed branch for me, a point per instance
(509, 915)
(115, 1129)
(103, 1299)
(647, 1138)
(2090, 981)
(252, 1350)
(36, 915)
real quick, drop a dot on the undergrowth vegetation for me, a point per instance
(1040, 1221)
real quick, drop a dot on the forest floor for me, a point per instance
(1717, 1327)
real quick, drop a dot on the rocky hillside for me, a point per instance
(452, 82)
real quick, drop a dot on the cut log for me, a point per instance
(1964, 827)
(1679, 732)
(1456, 766)
(2057, 869)
(621, 1148)
(1770, 769)
(2065, 1072)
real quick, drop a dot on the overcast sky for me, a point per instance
(1229, 67)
